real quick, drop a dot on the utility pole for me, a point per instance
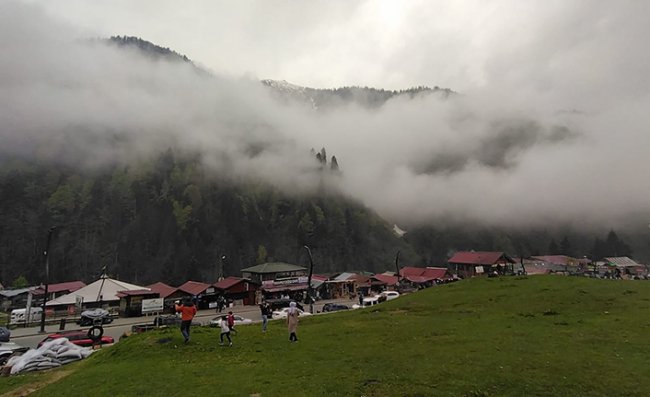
(397, 266)
(47, 275)
(309, 299)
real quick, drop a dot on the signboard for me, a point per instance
(479, 269)
(152, 305)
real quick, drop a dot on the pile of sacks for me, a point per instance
(51, 354)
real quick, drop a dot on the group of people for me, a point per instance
(188, 310)
(292, 318)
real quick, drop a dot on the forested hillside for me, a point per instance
(171, 220)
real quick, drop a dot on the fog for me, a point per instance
(550, 125)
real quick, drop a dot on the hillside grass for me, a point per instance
(517, 336)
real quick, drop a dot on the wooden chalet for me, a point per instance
(471, 263)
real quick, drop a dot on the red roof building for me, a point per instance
(163, 290)
(194, 287)
(235, 288)
(387, 279)
(423, 275)
(59, 289)
(471, 263)
(131, 301)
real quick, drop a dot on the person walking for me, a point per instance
(221, 303)
(292, 321)
(225, 330)
(265, 309)
(187, 311)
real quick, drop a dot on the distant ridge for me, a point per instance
(333, 97)
(148, 48)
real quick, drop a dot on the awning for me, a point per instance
(286, 287)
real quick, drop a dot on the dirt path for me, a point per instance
(26, 390)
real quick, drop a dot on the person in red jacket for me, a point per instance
(231, 323)
(187, 311)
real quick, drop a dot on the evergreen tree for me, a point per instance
(565, 247)
(335, 164)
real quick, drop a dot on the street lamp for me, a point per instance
(223, 261)
(309, 299)
(47, 275)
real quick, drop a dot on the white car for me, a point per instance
(390, 295)
(367, 302)
(239, 320)
(282, 313)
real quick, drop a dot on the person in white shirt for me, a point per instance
(225, 330)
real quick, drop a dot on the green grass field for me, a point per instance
(535, 336)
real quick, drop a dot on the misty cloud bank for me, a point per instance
(558, 133)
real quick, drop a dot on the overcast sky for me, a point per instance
(552, 123)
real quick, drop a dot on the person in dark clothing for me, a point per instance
(265, 309)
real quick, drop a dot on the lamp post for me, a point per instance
(47, 275)
(221, 264)
(397, 268)
(311, 271)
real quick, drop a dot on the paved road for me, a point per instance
(30, 336)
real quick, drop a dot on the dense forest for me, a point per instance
(171, 220)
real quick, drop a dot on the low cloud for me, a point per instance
(540, 144)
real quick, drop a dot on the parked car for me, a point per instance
(78, 337)
(238, 320)
(334, 307)
(278, 304)
(282, 313)
(170, 319)
(5, 334)
(8, 349)
(20, 316)
(390, 295)
(369, 301)
(95, 317)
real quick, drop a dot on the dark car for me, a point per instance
(171, 319)
(5, 334)
(95, 317)
(278, 304)
(334, 307)
(78, 337)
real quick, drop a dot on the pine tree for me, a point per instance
(335, 164)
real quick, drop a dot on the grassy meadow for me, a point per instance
(511, 336)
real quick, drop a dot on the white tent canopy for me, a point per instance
(91, 292)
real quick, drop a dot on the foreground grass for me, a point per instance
(537, 336)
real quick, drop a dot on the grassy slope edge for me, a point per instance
(536, 336)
